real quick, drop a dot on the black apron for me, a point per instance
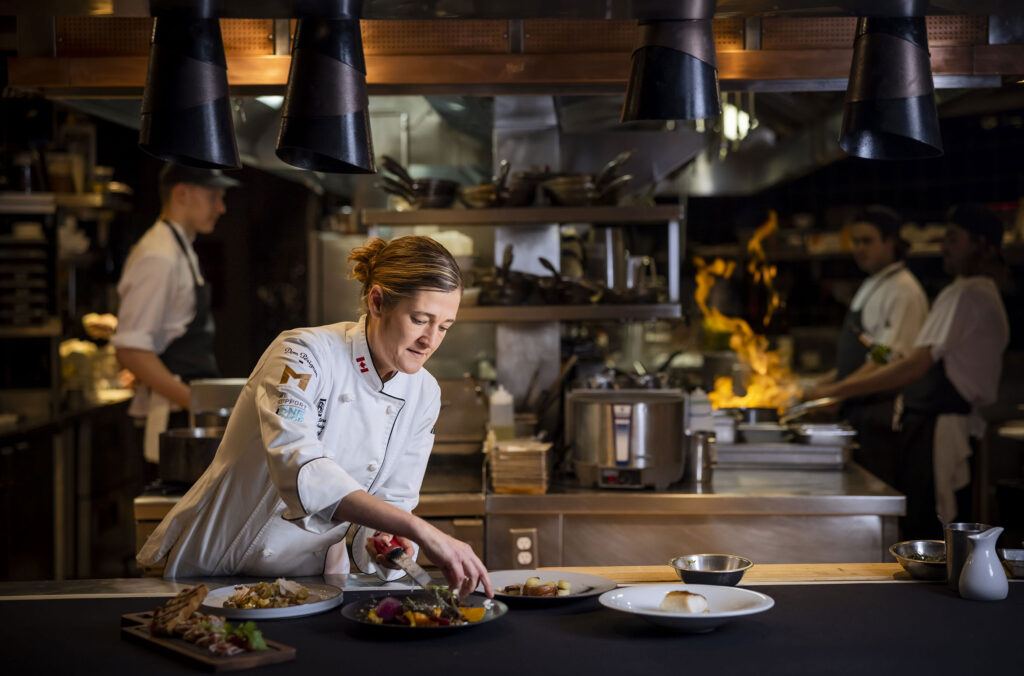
(870, 416)
(190, 355)
(924, 401)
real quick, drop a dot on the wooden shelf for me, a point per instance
(523, 216)
(48, 329)
(567, 313)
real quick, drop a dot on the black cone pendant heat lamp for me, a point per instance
(675, 73)
(186, 110)
(890, 109)
(325, 122)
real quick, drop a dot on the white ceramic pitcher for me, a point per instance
(982, 578)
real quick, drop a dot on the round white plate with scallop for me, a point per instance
(581, 585)
(724, 604)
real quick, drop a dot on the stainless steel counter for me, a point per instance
(770, 516)
(732, 491)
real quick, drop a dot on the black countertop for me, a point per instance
(883, 628)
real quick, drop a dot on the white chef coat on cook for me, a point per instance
(968, 330)
(158, 299)
(313, 424)
(893, 307)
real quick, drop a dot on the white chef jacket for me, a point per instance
(313, 424)
(969, 331)
(158, 299)
(893, 307)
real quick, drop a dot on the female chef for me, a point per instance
(952, 371)
(332, 430)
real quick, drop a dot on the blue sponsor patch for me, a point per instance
(291, 413)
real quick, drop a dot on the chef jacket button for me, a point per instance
(345, 398)
(390, 410)
(372, 467)
(267, 553)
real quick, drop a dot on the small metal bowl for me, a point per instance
(922, 570)
(1013, 559)
(720, 569)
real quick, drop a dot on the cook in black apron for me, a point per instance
(923, 402)
(190, 355)
(872, 415)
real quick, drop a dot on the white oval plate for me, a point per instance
(724, 603)
(329, 597)
(582, 585)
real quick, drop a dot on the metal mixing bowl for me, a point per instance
(721, 569)
(922, 570)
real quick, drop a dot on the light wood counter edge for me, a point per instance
(767, 573)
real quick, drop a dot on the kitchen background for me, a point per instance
(276, 259)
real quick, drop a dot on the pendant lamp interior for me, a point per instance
(674, 72)
(325, 122)
(890, 111)
(186, 109)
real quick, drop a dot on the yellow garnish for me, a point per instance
(472, 614)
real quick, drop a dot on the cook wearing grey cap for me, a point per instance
(165, 327)
(952, 371)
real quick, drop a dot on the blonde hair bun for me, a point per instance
(403, 267)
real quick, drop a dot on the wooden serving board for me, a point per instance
(135, 628)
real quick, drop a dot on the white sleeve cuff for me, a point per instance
(321, 484)
(362, 558)
(133, 340)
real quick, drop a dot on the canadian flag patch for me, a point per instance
(362, 364)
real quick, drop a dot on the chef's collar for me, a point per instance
(361, 357)
(890, 268)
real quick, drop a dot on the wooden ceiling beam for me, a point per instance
(480, 73)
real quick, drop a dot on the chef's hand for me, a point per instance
(816, 392)
(832, 391)
(456, 559)
(379, 544)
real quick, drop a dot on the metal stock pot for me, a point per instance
(186, 452)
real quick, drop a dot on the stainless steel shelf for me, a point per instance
(567, 313)
(523, 216)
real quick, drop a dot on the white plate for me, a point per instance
(724, 603)
(325, 597)
(582, 585)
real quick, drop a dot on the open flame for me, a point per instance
(768, 382)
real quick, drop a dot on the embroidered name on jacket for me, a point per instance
(303, 378)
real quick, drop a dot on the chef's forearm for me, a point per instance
(150, 371)
(889, 377)
(361, 508)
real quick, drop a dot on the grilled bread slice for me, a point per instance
(177, 610)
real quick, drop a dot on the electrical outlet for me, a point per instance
(524, 547)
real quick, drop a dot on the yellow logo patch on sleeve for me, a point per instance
(303, 378)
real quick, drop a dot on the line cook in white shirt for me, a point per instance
(333, 429)
(888, 310)
(165, 327)
(952, 371)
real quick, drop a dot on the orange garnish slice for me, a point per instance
(473, 614)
